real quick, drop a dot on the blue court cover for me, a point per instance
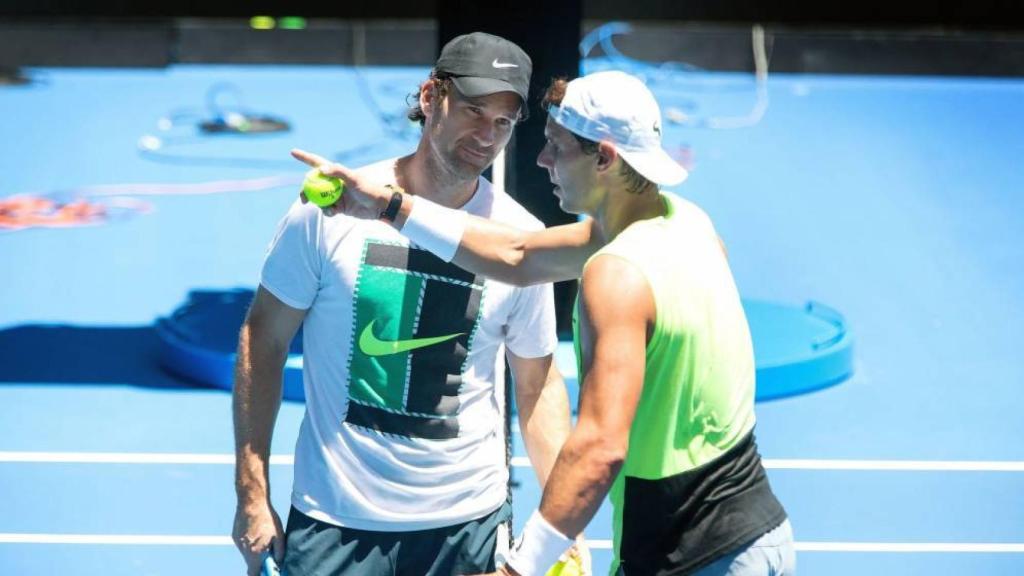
(797, 349)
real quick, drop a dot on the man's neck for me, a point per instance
(421, 175)
(623, 208)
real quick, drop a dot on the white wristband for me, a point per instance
(435, 228)
(538, 547)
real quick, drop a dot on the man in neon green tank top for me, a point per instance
(666, 411)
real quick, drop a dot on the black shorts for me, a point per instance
(321, 549)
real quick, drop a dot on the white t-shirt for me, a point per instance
(403, 367)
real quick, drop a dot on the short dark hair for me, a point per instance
(635, 182)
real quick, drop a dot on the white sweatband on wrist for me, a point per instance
(538, 547)
(435, 228)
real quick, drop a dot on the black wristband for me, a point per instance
(391, 211)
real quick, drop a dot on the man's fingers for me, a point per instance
(253, 561)
(254, 553)
(339, 207)
(325, 166)
(335, 170)
(309, 158)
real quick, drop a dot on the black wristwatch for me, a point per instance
(391, 211)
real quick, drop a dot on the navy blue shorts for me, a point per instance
(321, 549)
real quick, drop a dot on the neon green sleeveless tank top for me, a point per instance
(698, 392)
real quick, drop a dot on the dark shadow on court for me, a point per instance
(61, 354)
(194, 347)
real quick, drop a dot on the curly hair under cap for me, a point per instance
(635, 182)
(442, 81)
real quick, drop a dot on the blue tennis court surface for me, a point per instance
(894, 200)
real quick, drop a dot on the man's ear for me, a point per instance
(428, 96)
(606, 155)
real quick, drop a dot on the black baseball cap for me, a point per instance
(482, 64)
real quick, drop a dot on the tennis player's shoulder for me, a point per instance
(302, 213)
(691, 214)
(685, 207)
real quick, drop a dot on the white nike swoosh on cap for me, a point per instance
(497, 64)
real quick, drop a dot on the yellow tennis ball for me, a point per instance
(322, 190)
(568, 567)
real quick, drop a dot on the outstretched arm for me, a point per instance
(523, 258)
(483, 247)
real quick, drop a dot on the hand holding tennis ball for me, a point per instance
(566, 566)
(340, 190)
(575, 562)
(322, 190)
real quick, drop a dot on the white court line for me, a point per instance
(131, 458)
(517, 461)
(875, 465)
(909, 547)
(898, 465)
(116, 539)
(163, 540)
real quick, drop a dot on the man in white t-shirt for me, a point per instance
(400, 465)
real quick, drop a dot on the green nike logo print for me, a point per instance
(370, 345)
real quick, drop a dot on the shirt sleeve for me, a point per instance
(531, 326)
(294, 260)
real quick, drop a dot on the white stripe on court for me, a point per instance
(909, 547)
(898, 465)
(517, 461)
(116, 539)
(153, 458)
(167, 540)
(130, 458)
